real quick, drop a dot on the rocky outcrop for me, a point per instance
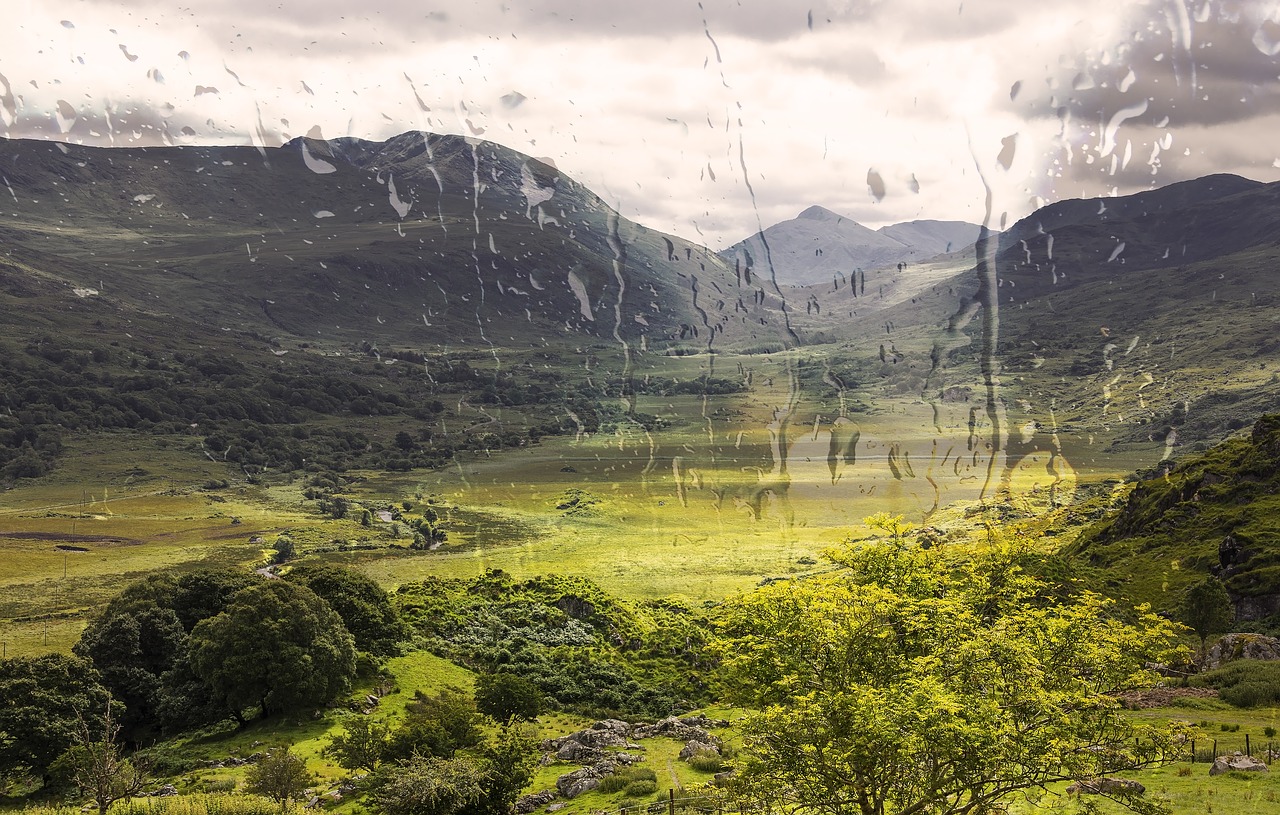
(1241, 646)
(528, 803)
(571, 785)
(694, 747)
(692, 728)
(1237, 762)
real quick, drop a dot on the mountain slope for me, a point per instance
(1213, 513)
(424, 240)
(820, 246)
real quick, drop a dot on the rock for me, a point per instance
(680, 729)
(165, 791)
(578, 752)
(372, 700)
(1237, 761)
(1241, 646)
(693, 748)
(616, 725)
(528, 803)
(596, 737)
(577, 782)
(555, 807)
(313, 802)
(1097, 786)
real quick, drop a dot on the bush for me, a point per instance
(707, 762)
(1244, 683)
(626, 779)
(637, 789)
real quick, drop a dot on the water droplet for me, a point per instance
(875, 184)
(1008, 146)
(1267, 38)
(68, 24)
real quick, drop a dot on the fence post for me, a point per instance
(1215, 749)
(1248, 751)
(1193, 751)
(671, 801)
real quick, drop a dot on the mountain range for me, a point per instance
(820, 246)
(1130, 318)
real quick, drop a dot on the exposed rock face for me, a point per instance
(528, 803)
(693, 748)
(688, 729)
(1242, 646)
(1237, 761)
(1098, 786)
(573, 784)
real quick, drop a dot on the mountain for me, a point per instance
(423, 240)
(933, 237)
(317, 304)
(820, 246)
(1213, 513)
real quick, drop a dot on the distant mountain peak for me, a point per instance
(817, 213)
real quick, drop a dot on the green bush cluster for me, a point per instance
(632, 781)
(583, 648)
(1244, 683)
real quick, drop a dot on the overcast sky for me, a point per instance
(677, 112)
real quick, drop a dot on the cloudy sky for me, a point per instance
(707, 119)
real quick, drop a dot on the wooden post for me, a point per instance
(1193, 751)
(1248, 751)
(671, 801)
(1215, 749)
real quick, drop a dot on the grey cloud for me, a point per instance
(1234, 79)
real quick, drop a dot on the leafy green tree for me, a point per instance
(132, 646)
(426, 785)
(283, 550)
(438, 725)
(361, 745)
(140, 645)
(910, 683)
(281, 776)
(1207, 610)
(506, 767)
(278, 646)
(363, 605)
(504, 696)
(42, 702)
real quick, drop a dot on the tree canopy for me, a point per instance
(363, 605)
(1207, 609)
(278, 646)
(505, 695)
(912, 682)
(43, 702)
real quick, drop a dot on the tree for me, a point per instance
(1207, 610)
(437, 725)
(506, 695)
(281, 776)
(133, 646)
(913, 682)
(360, 602)
(140, 644)
(426, 785)
(42, 701)
(361, 745)
(283, 550)
(98, 765)
(278, 646)
(506, 767)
